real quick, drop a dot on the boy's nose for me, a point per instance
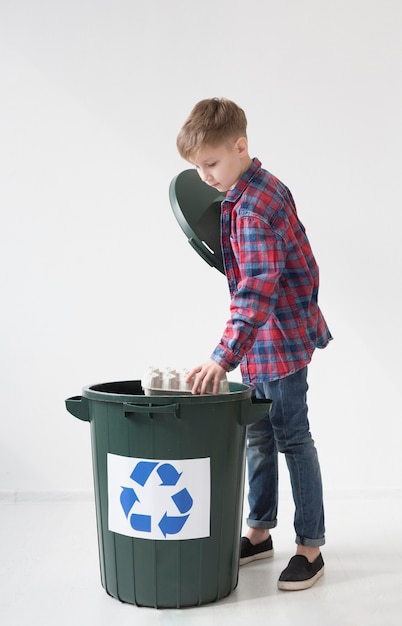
(205, 177)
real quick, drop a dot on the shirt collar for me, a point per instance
(234, 194)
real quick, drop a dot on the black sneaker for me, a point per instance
(248, 552)
(300, 573)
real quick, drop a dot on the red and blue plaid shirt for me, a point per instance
(275, 322)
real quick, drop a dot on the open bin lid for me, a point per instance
(197, 208)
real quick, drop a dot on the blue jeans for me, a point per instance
(286, 429)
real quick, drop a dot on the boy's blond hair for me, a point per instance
(212, 122)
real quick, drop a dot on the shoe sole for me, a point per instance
(257, 557)
(299, 585)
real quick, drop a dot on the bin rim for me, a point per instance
(103, 392)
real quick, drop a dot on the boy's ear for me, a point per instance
(241, 145)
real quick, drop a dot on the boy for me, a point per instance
(274, 327)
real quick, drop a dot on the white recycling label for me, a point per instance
(159, 499)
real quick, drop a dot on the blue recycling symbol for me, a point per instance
(168, 524)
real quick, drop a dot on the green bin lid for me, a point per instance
(197, 208)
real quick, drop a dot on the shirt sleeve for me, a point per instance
(260, 255)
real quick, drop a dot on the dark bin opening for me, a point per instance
(125, 388)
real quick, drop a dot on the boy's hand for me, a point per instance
(203, 375)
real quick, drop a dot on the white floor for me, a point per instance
(49, 571)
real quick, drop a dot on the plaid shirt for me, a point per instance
(275, 322)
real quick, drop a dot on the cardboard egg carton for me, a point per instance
(169, 381)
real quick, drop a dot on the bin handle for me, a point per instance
(172, 409)
(255, 410)
(78, 406)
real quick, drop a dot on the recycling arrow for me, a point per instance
(128, 498)
(183, 501)
(171, 525)
(168, 474)
(142, 471)
(141, 522)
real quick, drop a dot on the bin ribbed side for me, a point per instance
(172, 573)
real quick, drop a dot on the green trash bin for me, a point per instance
(169, 479)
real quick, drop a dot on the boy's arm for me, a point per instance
(260, 254)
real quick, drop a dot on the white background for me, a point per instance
(97, 279)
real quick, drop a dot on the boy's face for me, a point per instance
(222, 166)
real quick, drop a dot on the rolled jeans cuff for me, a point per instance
(314, 543)
(253, 523)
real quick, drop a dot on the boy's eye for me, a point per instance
(211, 164)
